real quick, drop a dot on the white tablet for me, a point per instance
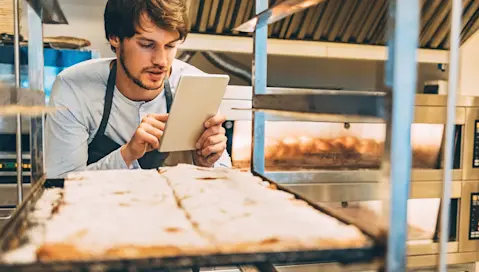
(197, 98)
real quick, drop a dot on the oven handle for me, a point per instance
(6, 217)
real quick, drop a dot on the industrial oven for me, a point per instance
(338, 162)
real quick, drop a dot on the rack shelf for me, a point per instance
(22, 101)
(349, 103)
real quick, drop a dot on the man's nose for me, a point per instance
(160, 57)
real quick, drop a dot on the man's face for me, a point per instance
(146, 57)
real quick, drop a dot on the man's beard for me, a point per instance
(137, 81)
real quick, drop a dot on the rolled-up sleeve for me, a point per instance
(224, 160)
(66, 136)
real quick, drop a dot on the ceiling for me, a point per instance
(345, 21)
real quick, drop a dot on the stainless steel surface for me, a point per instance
(49, 10)
(339, 192)
(8, 124)
(32, 100)
(36, 77)
(351, 176)
(441, 100)
(276, 13)
(13, 174)
(433, 174)
(8, 193)
(432, 260)
(228, 65)
(363, 104)
(16, 12)
(9, 155)
(450, 127)
(426, 100)
(430, 248)
(351, 22)
(312, 177)
(433, 189)
(236, 106)
(37, 143)
(5, 214)
(401, 76)
(259, 82)
(469, 173)
(466, 245)
(437, 115)
(457, 262)
(282, 115)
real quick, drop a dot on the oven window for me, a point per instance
(423, 216)
(293, 146)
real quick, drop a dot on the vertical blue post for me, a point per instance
(451, 117)
(35, 80)
(401, 75)
(259, 80)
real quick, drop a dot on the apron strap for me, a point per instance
(168, 95)
(110, 87)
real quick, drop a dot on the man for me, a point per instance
(112, 112)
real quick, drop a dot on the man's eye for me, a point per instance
(146, 45)
(170, 45)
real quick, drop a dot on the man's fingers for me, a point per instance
(154, 122)
(215, 139)
(213, 158)
(151, 130)
(216, 130)
(215, 120)
(162, 117)
(217, 148)
(146, 137)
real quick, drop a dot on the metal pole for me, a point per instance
(401, 76)
(450, 124)
(259, 80)
(35, 79)
(16, 48)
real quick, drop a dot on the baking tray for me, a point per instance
(11, 236)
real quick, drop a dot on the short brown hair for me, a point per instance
(122, 17)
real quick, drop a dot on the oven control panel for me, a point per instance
(10, 165)
(474, 217)
(475, 154)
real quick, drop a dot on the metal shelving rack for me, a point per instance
(30, 102)
(394, 106)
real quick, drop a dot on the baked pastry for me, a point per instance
(119, 214)
(238, 213)
(182, 210)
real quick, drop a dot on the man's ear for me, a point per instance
(115, 41)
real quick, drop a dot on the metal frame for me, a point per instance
(39, 12)
(36, 75)
(401, 78)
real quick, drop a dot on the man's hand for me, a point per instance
(146, 138)
(212, 142)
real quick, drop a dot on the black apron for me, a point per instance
(103, 145)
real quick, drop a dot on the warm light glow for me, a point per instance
(294, 140)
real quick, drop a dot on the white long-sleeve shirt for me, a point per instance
(79, 93)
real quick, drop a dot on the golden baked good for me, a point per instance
(240, 214)
(182, 210)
